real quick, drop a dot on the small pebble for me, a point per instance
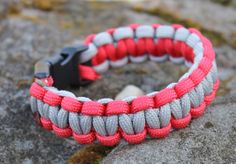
(129, 90)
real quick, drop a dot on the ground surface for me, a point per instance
(31, 29)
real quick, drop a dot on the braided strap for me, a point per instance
(133, 118)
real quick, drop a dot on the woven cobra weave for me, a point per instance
(132, 118)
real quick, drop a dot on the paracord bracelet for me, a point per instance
(133, 118)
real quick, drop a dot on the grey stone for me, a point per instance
(209, 15)
(33, 34)
(209, 139)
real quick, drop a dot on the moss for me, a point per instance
(101, 6)
(233, 39)
(31, 18)
(223, 2)
(10, 9)
(223, 89)
(24, 83)
(93, 153)
(67, 24)
(208, 125)
(46, 5)
(14, 9)
(216, 37)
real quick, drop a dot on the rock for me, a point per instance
(129, 90)
(33, 33)
(195, 13)
(209, 139)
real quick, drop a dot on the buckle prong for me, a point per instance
(63, 67)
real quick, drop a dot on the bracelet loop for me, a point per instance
(131, 118)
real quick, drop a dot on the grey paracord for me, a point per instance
(130, 123)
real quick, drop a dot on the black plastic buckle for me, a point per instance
(63, 67)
